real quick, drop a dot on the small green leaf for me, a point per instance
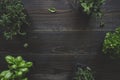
(52, 10)
(29, 64)
(88, 68)
(24, 70)
(26, 45)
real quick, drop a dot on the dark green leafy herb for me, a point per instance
(12, 17)
(17, 68)
(92, 6)
(84, 74)
(111, 45)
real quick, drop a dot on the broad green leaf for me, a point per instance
(22, 64)
(29, 64)
(19, 59)
(24, 70)
(18, 73)
(25, 79)
(9, 59)
(13, 66)
(4, 73)
(8, 75)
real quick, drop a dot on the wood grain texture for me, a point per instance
(58, 41)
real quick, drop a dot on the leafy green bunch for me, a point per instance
(92, 6)
(84, 74)
(12, 18)
(111, 45)
(17, 68)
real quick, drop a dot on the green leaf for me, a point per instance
(6, 74)
(24, 70)
(18, 73)
(13, 66)
(88, 68)
(22, 64)
(25, 79)
(29, 64)
(52, 10)
(26, 45)
(9, 59)
(19, 59)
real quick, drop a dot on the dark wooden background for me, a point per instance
(58, 41)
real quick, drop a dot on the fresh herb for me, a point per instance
(84, 74)
(12, 18)
(102, 24)
(26, 45)
(52, 10)
(111, 45)
(17, 68)
(92, 6)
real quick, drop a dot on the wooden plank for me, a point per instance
(57, 42)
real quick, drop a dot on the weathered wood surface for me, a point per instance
(64, 29)
(59, 41)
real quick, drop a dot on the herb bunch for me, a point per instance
(12, 18)
(84, 74)
(17, 68)
(111, 44)
(92, 6)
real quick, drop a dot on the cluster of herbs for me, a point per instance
(84, 74)
(12, 18)
(92, 7)
(111, 45)
(17, 68)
